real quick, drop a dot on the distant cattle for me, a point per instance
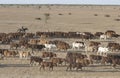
(24, 54)
(50, 46)
(34, 59)
(95, 58)
(62, 45)
(48, 54)
(98, 34)
(93, 43)
(8, 53)
(76, 60)
(78, 45)
(112, 59)
(114, 46)
(91, 48)
(48, 64)
(103, 50)
(56, 61)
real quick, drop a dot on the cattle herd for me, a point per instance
(26, 45)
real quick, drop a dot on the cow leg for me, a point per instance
(31, 62)
(40, 67)
(68, 67)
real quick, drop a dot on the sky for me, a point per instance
(100, 2)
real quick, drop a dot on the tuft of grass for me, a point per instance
(117, 19)
(107, 15)
(60, 14)
(95, 14)
(69, 13)
(38, 18)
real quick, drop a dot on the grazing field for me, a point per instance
(64, 18)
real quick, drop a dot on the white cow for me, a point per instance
(78, 45)
(102, 50)
(50, 46)
(103, 36)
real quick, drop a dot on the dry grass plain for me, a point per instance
(62, 18)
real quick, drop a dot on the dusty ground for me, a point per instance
(82, 18)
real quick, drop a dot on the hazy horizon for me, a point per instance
(74, 2)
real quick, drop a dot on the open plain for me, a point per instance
(75, 18)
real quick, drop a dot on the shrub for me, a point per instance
(69, 13)
(117, 19)
(107, 15)
(95, 14)
(38, 18)
(60, 14)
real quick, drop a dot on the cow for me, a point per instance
(109, 33)
(78, 45)
(97, 34)
(63, 46)
(102, 50)
(50, 46)
(91, 49)
(95, 58)
(113, 46)
(76, 60)
(57, 61)
(48, 64)
(48, 54)
(35, 59)
(10, 53)
(24, 54)
(112, 59)
(34, 46)
(93, 43)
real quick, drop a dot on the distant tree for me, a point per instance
(47, 16)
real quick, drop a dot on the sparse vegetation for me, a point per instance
(107, 15)
(38, 18)
(47, 16)
(60, 14)
(69, 13)
(118, 15)
(117, 19)
(95, 14)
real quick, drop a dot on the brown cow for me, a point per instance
(93, 43)
(46, 64)
(57, 61)
(48, 54)
(114, 46)
(112, 59)
(10, 53)
(35, 59)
